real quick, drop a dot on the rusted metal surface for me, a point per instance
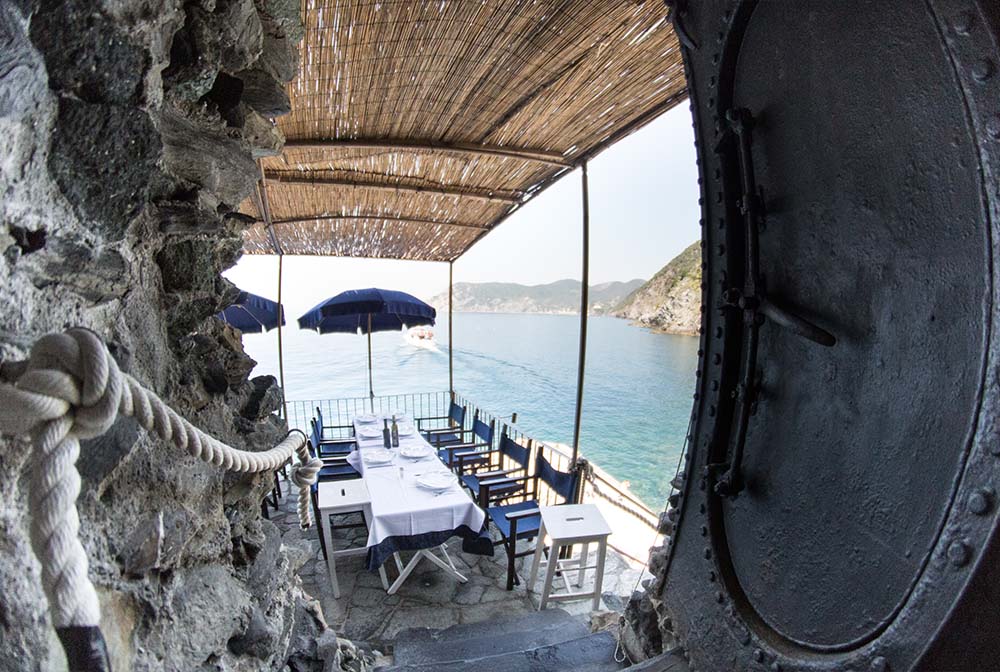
(862, 536)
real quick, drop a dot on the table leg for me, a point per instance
(331, 561)
(399, 563)
(444, 552)
(550, 573)
(444, 565)
(382, 575)
(602, 553)
(406, 572)
(583, 563)
(537, 558)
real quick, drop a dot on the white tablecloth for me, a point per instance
(401, 508)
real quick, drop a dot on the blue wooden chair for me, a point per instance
(461, 457)
(331, 446)
(333, 469)
(521, 520)
(515, 453)
(454, 430)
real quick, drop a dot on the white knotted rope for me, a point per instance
(69, 389)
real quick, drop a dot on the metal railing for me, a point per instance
(598, 484)
(340, 412)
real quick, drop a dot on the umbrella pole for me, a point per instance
(281, 358)
(371, 390)
(584, 310)
(451, 368)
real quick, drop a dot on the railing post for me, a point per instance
(584, 310)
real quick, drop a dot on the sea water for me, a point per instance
(637, 396)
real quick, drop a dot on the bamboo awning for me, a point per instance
(416, 127)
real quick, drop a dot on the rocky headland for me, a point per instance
(670, 301)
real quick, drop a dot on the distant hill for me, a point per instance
(560, 297)
(670, 300)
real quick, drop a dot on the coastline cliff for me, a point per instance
(669, 302)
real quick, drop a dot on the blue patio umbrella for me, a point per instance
(253, 314)
(365, 311)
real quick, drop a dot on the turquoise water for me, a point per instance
(637, 398)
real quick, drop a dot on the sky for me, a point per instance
(643, 212)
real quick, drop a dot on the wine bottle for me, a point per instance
(395, 433)
(386, 441)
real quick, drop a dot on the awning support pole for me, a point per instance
(584, 309)
(451, 368)
(281, 357)
(371, 389)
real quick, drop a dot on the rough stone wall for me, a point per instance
(128, 136)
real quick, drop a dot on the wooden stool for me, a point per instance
(566, 525)
(339, 497)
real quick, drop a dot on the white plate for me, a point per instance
(405, 430)
(437, 481)
(367, 418)
(372, 432)
(376, 456)
(415, 451)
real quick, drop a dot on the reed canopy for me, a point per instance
(417, 126)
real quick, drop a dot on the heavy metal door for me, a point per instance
(841, 489)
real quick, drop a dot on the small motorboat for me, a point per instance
(421, 337)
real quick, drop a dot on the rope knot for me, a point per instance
(305, 474)
(69, 374)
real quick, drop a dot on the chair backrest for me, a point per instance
(561, 482)
(514, 450)
(319, 418)
(456, 415)
(483, 431)
(316, 434)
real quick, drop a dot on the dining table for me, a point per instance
(417, 503)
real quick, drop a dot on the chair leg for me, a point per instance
(511, 573)
(583, 563)
(263, 509)
(319, 525)
(550, 573)
(536, 558)
(331, 555)
(602, 554)
(277, 485)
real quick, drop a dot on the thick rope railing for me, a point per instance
(71, 388)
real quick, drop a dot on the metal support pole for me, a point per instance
(451, 366)
(371, 389)
(281, 355)
(584, 309)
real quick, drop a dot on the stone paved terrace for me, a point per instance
(428, 598)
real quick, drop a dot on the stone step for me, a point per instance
(672, 661)
(593, 653)
(419, 646)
